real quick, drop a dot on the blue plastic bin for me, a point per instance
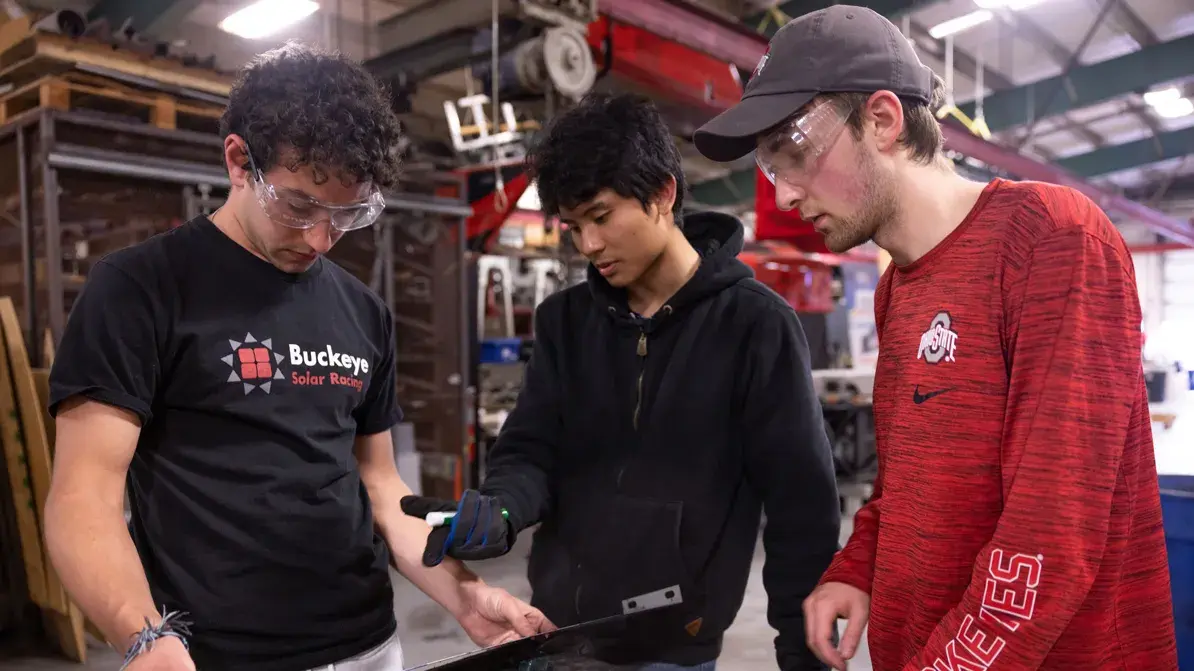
(501, 350)
(1177, 507)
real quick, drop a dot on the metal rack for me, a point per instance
(416, 260)
(69, 214)
(70, 167)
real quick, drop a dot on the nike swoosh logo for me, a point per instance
(919, 398)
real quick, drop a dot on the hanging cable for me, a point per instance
(499, 185)
(979, 125)
(949, 71)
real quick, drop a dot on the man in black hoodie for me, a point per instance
(667, 404)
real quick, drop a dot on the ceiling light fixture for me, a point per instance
(1162, 96)
(267, 17)
(1007, 4)
(1173, 109)
(960, 24)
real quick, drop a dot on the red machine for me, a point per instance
(689, 87)
(772, 223)
(803, 280)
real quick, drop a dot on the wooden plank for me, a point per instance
(62, 48)
(54, 93)
(24, 502)
(13, 32)
(69, 91)
(47, 355)
(33, 429)
(164, 112)
(67, 633)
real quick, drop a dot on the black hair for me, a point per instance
(618, 142)
(302, 106)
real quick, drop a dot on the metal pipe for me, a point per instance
(133, 165)
(142, 129)
(28, 259)
(1157, 248)
(467, 384)
(725, 39)
(411, 202)
(126, 164)
(51, 224)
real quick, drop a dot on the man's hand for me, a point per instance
(822, 608)
(167, 654)
(492, 616)
(478, 531)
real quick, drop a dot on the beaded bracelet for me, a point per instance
(171, 625)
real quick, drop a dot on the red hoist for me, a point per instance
(689, 87)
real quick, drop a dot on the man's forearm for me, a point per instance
(90, 548)
(406, 538)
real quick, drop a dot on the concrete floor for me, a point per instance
(428, 633)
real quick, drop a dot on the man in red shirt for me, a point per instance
(1015, 522)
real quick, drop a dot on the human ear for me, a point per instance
(666, 197)
(883, 116)
(235, 160)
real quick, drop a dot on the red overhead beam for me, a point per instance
(1023, 167)
(692, 26)
(732, 42)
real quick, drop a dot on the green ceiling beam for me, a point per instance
(892, 9)
(734, 189)
(1089, 84)
(1152, 149)
(1083, 86)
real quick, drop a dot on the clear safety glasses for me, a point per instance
(295, 209)
(789, 152)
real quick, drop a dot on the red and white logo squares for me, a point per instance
(254, 363)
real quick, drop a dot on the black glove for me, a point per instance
(478, 531)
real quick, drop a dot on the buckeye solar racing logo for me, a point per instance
(940, 342)
(254, 364)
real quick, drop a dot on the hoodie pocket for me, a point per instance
(633, 550)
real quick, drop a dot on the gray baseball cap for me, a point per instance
(839, 49)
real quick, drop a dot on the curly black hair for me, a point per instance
(302, 106)
(607, 141)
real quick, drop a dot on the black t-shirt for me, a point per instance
(248, 509)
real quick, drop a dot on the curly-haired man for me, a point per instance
(667, 404)
(244, 388)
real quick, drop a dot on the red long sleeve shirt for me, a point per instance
(1015, 522)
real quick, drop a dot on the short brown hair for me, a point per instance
(922, 133)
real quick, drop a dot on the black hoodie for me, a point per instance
(647, 450)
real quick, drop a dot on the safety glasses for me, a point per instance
(295, 209)
(789, 152)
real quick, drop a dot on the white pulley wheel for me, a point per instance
(569, 61)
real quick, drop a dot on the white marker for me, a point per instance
(440, 519)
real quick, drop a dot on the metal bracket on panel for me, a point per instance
(497, 146)
(652, 600)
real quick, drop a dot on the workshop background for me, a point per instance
(108, 135)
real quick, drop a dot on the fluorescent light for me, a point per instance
(1172, 109)
(267, 17)
(1007, 4)
(960, 24)
(1163, 96)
